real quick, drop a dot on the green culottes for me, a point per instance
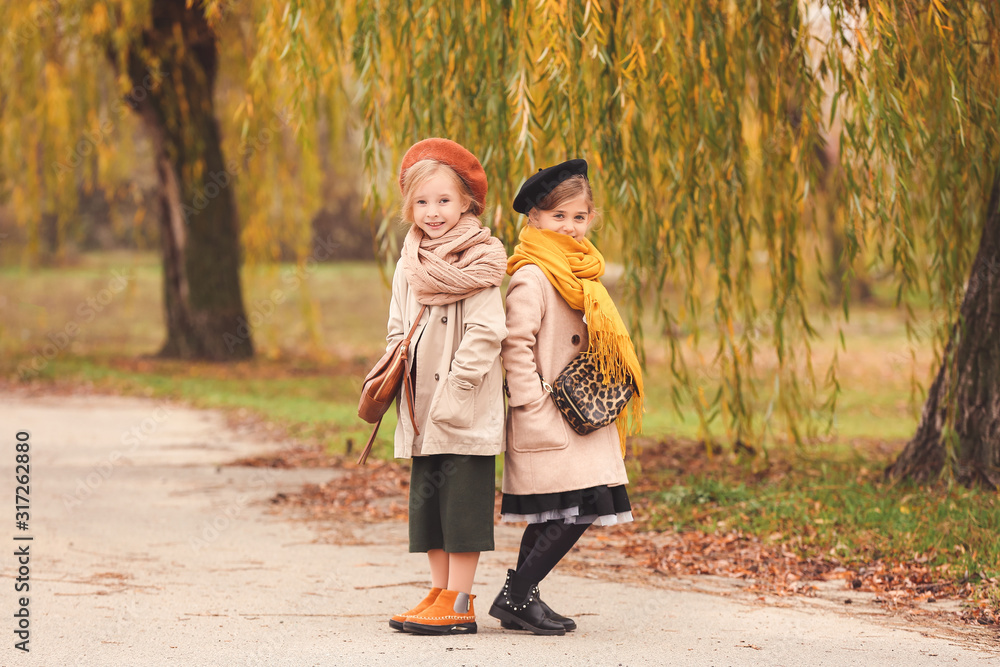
(452, 503)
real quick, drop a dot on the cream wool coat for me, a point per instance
(545, 455)
(458, 396)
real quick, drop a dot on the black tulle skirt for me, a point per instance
(601, 505)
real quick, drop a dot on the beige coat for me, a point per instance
(545, 455)
(458, 398)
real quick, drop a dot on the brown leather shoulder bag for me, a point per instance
(382, 386)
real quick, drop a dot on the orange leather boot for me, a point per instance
(451, 614)
(398, 620)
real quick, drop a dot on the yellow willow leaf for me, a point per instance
(883, 11)
(98, 19)
(689, 26)
(703, 55)
(718, 99)
(628, 116)
(629, 67)
(861, 41)
(51, 73)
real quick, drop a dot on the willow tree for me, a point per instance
(704, 123)
(210, 85)
(930, 104)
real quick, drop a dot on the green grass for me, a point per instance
(835, 505)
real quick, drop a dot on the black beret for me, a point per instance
(538, 187)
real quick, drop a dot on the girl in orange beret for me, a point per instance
(447, 283)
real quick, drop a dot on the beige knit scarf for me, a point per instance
(462, 262)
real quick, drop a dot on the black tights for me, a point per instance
(543, 545)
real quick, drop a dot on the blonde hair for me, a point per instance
(420, 173)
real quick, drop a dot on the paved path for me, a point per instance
(147, 551)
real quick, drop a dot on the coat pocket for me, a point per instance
(455, 405)
(537, 426)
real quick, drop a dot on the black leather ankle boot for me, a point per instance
(527, 614)
(564, 621)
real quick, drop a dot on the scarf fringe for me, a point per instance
(607, 349)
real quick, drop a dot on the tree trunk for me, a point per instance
(967, 386)
(341, 230)
(861, 290)
(205, 315)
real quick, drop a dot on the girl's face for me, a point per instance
(438, 204)
(572, 218)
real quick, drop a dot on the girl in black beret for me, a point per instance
(556, 479)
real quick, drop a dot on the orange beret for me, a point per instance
(455, 156)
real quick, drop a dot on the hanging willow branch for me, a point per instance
(704, 124)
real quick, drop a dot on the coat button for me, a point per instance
(437, 377)
(444, 320)
(576, 339)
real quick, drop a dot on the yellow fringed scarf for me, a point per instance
(574, 268)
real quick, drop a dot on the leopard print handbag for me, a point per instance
(585, 399)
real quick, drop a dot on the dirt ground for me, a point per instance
(147, 548)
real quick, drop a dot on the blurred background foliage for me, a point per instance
(77, 164)
(758, 166)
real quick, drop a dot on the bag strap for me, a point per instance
(371, 440)
(415, 323)
(407, 389)
(408, 380)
